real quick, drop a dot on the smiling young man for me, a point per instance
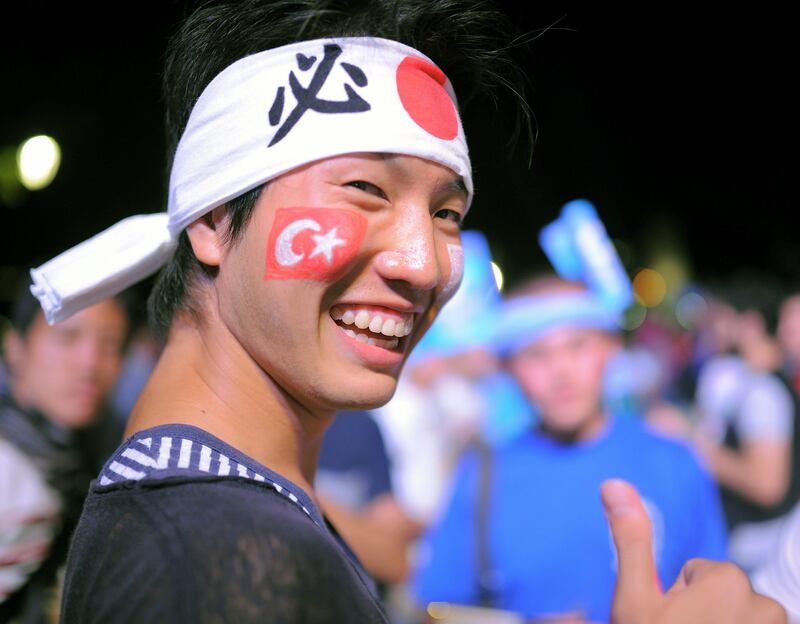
(319, 172)
(319, 177)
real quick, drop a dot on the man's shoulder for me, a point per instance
(235, 543)
(211, 508)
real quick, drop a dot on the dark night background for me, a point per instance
(678, 125)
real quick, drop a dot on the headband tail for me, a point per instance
(102, 266)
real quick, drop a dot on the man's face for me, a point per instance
(331, 316)
(562, 373)
(65, 371)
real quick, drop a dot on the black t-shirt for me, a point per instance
(181, 527)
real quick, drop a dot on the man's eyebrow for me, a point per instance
(456, 186)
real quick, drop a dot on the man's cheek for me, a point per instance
(313, 243)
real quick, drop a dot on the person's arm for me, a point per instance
(759, 471)
(706, 591)
(29, 519)
(379, 534)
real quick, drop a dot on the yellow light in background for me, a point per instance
(38, 160)
(498, 276)
(649, 287)
(673, 268)
(634, 317)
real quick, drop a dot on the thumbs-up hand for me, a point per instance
(706, 591)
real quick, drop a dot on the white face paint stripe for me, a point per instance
(284, 254)
(456, 255)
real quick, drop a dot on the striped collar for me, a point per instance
(178, 450)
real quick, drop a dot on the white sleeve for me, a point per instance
(779, 577)
(767, 411)
(29, 518)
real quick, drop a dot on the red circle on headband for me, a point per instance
(421, 91)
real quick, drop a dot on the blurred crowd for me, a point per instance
(473, 494)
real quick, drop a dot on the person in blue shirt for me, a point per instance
(525, 529)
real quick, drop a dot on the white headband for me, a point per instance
(262, 116)
(524, 320)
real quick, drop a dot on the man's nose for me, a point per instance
(409, 253)
(562, 362)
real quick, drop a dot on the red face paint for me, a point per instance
(313, 243)
(421, 91)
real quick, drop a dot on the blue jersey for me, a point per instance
(548, 543)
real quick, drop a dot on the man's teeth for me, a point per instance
(363, 319)
(391, 343)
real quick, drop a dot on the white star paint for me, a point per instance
(325, 244)
(284, 254)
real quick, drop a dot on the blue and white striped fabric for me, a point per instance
(185, 451)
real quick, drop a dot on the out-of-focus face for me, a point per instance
(789, 328)
(66, 370)
(562, 373)
(341, 269)
(721, 325)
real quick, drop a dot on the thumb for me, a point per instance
(637, 591)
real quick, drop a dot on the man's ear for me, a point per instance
(206, 235)
(13, 350)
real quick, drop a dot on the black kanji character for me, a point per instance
(307, 96)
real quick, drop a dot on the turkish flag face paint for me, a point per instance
(313, 243)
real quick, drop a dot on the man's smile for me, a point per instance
(376, 326)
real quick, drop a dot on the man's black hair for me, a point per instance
(471, 41)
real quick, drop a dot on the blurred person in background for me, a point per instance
(59, 377)
(355, 490)
(747, 423)
(525, 530)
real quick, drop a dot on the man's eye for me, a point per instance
(450, 215)
(367, 187)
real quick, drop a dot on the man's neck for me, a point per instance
(205, 378)
(587, 430)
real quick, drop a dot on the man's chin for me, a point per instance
(78, 419)
(368, 397)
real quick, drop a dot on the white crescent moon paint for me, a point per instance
(284, 253)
